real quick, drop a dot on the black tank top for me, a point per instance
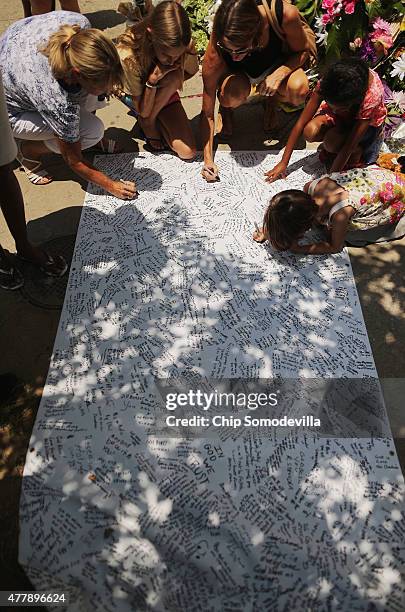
(258, 61)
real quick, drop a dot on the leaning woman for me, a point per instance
(253, 43)
(54, 67)
(158, 55)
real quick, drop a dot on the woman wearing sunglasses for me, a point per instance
(253, 43)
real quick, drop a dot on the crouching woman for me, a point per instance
(54, 68)
(158, 55)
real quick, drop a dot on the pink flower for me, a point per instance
(349, 7)
(381, 26)
(326, 19)
(397, 209)
(384, 196)
(383, 39)
(328, 4)
(363, 201)
(356, 44)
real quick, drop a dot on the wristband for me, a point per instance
(150, 86)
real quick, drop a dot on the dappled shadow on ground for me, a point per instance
(249, 133)
(105, 18)
(18, 409)
(378, 271)
(135, 526)
(127, 320)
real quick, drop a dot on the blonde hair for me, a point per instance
(169, 28)
(89, 51)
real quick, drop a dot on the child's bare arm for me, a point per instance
(337, 236)
(259, 235)
(357, 133)
(307, 114)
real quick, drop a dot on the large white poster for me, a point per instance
(171, 285)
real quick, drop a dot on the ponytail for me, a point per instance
(56, 50)
(88, 51)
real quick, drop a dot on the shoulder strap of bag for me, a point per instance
(272, 17)
(275, 25)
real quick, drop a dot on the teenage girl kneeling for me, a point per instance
(157, 56)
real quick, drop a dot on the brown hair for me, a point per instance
(170, 28)
(89, 51)
(237, 20)
(289, 214)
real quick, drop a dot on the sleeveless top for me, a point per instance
(259, 60)
(376, 194)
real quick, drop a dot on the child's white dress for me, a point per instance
(378, 197)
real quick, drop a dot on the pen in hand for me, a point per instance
(211, 172)
(136, 192)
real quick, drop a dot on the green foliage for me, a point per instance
(400, 7)
(333, 46)
(308, 8)
(197, 11)
(374, 9)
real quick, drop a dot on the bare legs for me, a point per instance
(171, 121)
(319, 129)
(235, 90)
(38, 7)
(12, 206)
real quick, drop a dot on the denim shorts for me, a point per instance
(371, 144)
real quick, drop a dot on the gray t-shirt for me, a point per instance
(29, 84)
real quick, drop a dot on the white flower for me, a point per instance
(319, 25)
(322, 38)
(399, 98)
(399, 67)
(321, 33)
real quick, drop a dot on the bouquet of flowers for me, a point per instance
(372, 30)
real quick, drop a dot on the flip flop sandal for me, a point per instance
(54, 266)
(11, 278)
(150, 140)
(36, 178)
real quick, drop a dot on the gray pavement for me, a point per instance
(28, 331)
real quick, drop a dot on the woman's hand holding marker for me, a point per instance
(210, 172)
(125, 190)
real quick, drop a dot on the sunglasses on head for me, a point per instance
(234, 51)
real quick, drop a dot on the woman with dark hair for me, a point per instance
(347, 112)
(254, 43)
